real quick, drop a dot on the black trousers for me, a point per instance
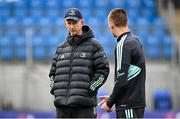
(130, 113)
(76, 112)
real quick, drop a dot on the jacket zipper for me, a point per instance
(67, 94)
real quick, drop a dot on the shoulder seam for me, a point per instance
(96, 43)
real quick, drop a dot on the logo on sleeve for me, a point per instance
(120, 74)
(61, 56)
(102, 53)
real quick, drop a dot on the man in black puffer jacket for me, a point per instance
(78, 70)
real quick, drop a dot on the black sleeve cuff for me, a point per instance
(52, 91)
(109, 104)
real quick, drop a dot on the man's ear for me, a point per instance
(82, 22)
(111, 24)
(65, 23)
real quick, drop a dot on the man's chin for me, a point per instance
(73, 34)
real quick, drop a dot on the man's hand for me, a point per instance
(103, 103)
(104, 99)
(106, 108)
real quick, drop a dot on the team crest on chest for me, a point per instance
(83, 55)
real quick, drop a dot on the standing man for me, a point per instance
(128, 93)
(78, 70)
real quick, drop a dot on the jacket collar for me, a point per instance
(76, 40)
(119, 38)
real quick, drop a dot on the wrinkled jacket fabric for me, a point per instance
(79, 69)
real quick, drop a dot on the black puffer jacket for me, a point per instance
(79, 68)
